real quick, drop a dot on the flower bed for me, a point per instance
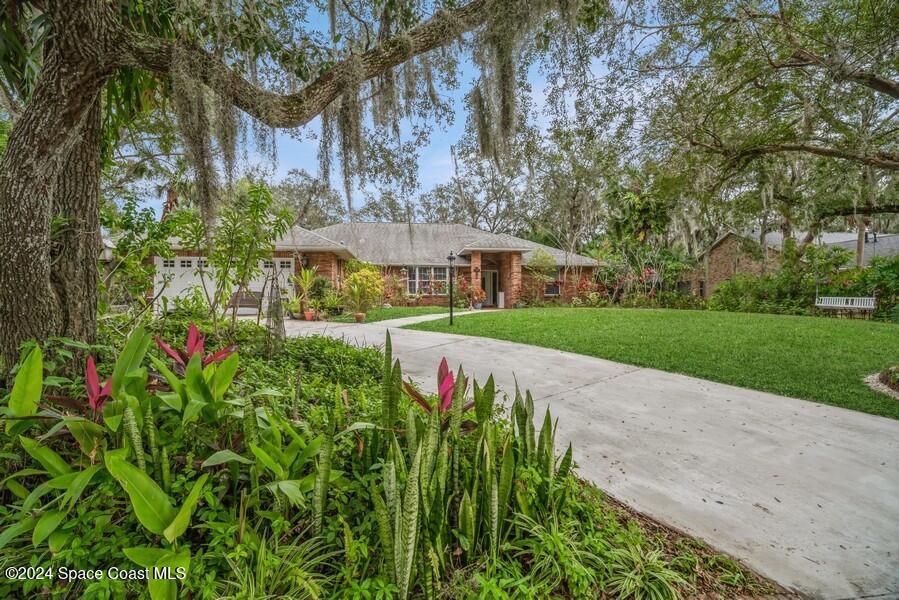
(314, 471)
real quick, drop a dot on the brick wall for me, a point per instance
(732, 255)
(568, 288)
(475, 267)
(510, 281)
(327, 265)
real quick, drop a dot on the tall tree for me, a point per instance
(211, 59)
(312, 200)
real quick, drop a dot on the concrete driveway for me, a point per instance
(806, 494)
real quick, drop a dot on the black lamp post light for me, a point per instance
(452, 270)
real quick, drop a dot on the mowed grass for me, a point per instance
(814, 358)
(395, 312)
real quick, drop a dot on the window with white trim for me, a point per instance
(286, 264)
(202, 263)
(268, 264)
(430, 281)
(553, 287)
(186, 263)
(168, 263)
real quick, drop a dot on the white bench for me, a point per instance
(845, 303)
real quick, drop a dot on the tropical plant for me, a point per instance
(315, 472)
(305, 281)
(363, 288)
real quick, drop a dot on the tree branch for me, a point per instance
(848, 211)
(881, 160)
(840, 70)
(294, 110)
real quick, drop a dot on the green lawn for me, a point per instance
(396, 312)
(815, 358)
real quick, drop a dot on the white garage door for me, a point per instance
(182, 274)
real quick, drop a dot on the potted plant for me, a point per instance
(294, 307)
(357, 300)
(305, 280)
(333, 303)
(315, 309)
(363, 289)
(477, 298)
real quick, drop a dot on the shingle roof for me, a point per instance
(430, 243)
(775, 239)
(299, 238)
(887, 245)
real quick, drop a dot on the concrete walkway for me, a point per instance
(806, 494)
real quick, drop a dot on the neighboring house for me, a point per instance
(734, 253)
(414, 253)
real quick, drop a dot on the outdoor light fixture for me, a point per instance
(304, 260)
(451, 258)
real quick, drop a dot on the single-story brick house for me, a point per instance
(734, 253)
(414, 253)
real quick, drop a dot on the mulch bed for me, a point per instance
(890, 378)
(883, 382)
(707, 586)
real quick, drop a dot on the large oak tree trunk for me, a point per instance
(47, 158)
(76, 244)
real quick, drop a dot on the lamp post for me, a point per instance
(452, 270)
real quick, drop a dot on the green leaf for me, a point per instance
(192, 409)
(225, 456)
(87, 433)
(16, 529)
(79, 483)
(171, 399)
(173, 380)
(49, 459)
(27, 387)
(294, 489)
(197, 389)
(161, 589)
(46, 525)
(182, 520)
(58, 540)
(268, 461)
(151, 505)
(224, 374)
(406, 536)
(358, 426)
(129, 359)
(268, 392)
(112, 414)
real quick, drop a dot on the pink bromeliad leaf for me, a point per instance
(446, 392)
(194, 341)
(174, 354)
(92, 383)
(219, 355)
(442, 371)
(96, 397)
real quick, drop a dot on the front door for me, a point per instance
(488, 284)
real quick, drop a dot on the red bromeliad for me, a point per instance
(195, 345)
(96, 396)
(446, 385)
